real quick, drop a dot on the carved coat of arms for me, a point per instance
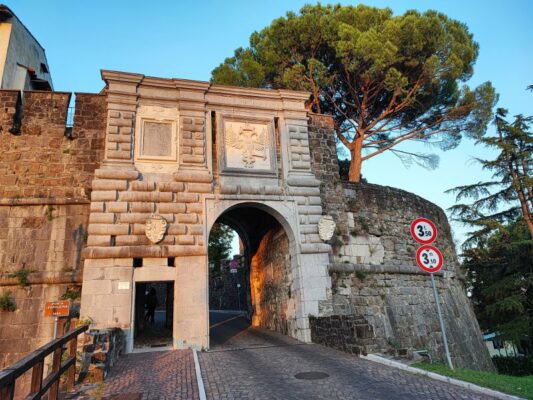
(251, 142)
(155, 229)
(326, 227)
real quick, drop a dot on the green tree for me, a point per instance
(509, 194)
(219, 247)
(385, 79)
(500, 274)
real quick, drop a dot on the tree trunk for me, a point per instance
(354, 174)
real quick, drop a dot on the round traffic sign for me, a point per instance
(423, 230)
(429, 258)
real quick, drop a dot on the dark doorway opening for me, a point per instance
(154, 309)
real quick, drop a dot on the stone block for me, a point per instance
(142, 207)
(99, 240)
(116, 174)
(117, 207)
(97, 287)
(108, 195)
(109, 184)
(133, 218)
(175, 229)
(173, 208)
(97, 206)
(102, 218)
(195, 208)
(143, 186)
(187, 218)
(187, 198)
(171, 187)
(185, 239)
(108, 229)
(199, 187)
(132, 240)
(195, 229)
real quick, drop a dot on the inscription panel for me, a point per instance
(156, 139)
(247, 146)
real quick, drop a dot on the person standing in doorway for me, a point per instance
(151, 304)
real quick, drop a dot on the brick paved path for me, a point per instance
(266, 369)
(163, 375)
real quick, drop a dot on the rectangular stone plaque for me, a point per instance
(156, 139)
(248, 146)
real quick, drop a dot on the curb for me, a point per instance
(199, 380)
(433, 375)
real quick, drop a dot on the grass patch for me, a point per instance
(517, 385)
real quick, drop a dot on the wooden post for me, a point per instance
(8, 392)
(71, 376)
(56, 364)
(37, 377)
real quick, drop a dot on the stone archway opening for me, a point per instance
(260, 277)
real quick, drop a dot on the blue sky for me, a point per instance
(186, 39)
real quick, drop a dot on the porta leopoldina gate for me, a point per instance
(130, 192)
(179, 156)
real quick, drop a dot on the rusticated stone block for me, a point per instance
(187, 218)
(109, 184)
(199, 187)
(116, 174)
(108, 229)
(142, 207)
(173, 208)
(187, 198)
(117, 207)
(171, 187)
(108, 195)
(143, 186)
(102, 218)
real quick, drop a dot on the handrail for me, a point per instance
(35, 361)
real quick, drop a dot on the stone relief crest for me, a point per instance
(326, 227)
(251, 141)
(155, 229)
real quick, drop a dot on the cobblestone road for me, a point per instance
(259, 364)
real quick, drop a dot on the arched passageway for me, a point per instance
(261, 276)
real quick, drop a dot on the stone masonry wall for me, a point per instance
(374, 275)
(270, 278)
(44, 206)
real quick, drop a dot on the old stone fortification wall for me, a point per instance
(45, 179)
(271, 279)
(375, 280)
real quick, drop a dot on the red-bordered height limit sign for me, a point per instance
(423, 230)
(429, 258)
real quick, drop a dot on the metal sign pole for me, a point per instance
(435, 293)
(55, 327)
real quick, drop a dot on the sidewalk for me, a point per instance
(156, 375)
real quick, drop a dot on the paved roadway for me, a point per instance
(257, 364)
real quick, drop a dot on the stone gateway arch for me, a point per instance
(133, 187)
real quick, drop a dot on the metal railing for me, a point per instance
(35, 361)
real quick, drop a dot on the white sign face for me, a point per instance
(429, 258)
(123, 286)
(423, 230)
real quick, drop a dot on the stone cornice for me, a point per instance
(208, 93)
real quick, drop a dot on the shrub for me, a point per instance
(517, 366)
(71, 294)
(6, 302)
(22, 276)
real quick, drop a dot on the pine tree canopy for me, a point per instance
(385, 79)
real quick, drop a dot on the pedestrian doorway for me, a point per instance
(154, 308)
